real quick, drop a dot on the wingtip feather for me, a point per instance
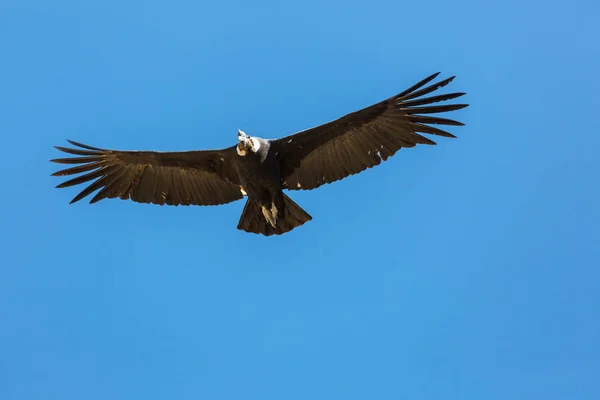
(84, 146)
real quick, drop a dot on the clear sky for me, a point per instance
(466, 270)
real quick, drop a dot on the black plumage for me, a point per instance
(262, 168)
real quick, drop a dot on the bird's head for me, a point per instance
(245, 143)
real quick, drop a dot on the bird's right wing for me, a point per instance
(204, 177)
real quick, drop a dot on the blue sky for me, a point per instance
(466, 270)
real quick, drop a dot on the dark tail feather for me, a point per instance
(253, 220)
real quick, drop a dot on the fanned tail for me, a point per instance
(254, 220)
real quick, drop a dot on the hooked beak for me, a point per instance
(243, 142)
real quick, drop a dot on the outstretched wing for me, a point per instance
(172, 178)
(362, 139)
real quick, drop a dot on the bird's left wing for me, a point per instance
(204, 177)
(362, 139)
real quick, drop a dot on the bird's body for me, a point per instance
(262, 169)
(260, 178)
(259, 174)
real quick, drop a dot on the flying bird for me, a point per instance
(262, 169)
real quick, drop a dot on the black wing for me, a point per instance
(362, 139)
(173, 178)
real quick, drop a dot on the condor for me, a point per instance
(262, 169)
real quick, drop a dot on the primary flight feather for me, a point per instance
(262, 168)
